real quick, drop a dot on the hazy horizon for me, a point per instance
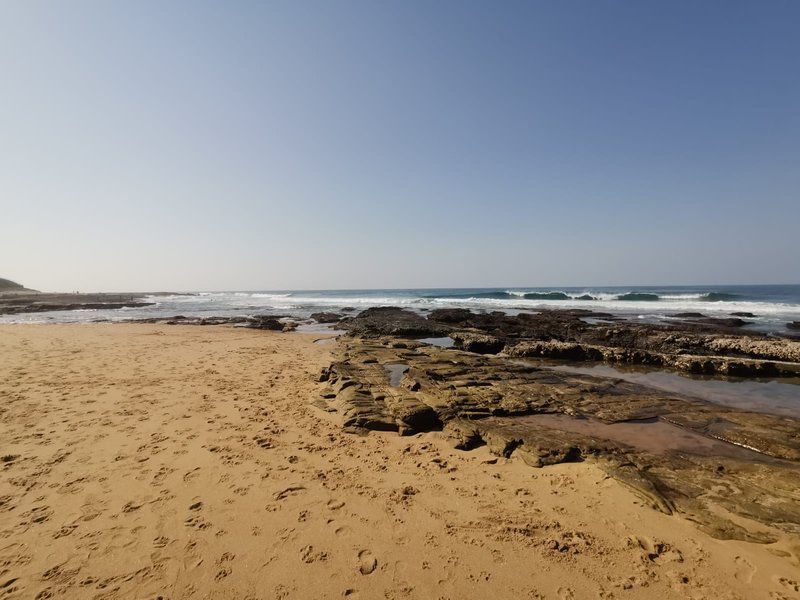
(353, 145)
(553, 287)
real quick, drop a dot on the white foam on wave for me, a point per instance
(263, 295)
(632, 306)
(162, 297)
(604, 301)
(768, 314)
(610, 296)
(358, 300)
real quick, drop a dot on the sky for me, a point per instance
(339, 144)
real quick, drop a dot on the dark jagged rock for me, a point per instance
(794, 325)
(267, 322)
(747, 315)
(326, 317)
(450, 315)
(263, 322)
(708, 346)
(730, 322)
(696, 364)
(545, 324)
(388, 320)
(493, 400)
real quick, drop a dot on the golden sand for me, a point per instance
(147, 461)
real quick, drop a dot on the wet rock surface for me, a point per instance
(326, 317)
(703, 488)
(388, 320)
(697, 345)
(742, 483)
(267, 322)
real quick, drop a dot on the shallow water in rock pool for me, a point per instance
(767, 396)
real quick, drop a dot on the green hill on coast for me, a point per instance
(6, 285)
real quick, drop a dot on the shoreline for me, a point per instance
(29, 301)
(189, 462)
(759, 309)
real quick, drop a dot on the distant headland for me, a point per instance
(8, 286)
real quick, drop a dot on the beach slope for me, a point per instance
(147, 461)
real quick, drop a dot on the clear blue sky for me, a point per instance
(249, 145)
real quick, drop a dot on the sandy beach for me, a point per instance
(151, 461)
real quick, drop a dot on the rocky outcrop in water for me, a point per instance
(326, 317)
(270, 323)
(48, 307)
(699, 364)
(477, 342)
(23, 301)
(702, 346)
(389, 320)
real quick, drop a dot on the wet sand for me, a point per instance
(145, 461)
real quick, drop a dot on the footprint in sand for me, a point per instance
(264, 442)
(6, 503)
(789, 585)
(9, 586)
(565, 593)
(190, 475)
(744, 570)
(367, 562)
(286, 492)
(36, 515)
(224, 569)
(65, 530)
(132, 506)
(656, 551)
(197, 522)
(308, 555)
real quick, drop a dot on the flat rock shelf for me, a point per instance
(734, 472)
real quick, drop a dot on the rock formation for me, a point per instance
(736, 473)
(702, 346)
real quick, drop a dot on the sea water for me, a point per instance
(773, 305)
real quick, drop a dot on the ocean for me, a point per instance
(773, 305)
